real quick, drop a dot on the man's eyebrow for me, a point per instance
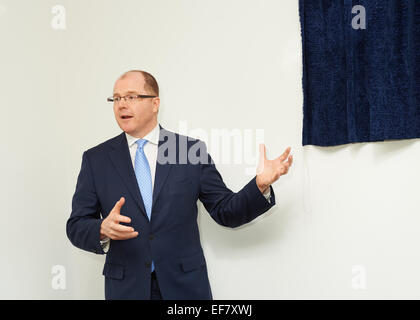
(128, 92)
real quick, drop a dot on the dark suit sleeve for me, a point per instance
(83, 226)
(226, 207)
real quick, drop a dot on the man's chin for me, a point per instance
(130, 132)
(127, 129)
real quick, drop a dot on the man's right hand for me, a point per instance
(112, 228)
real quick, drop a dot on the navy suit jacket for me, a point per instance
(171, 238)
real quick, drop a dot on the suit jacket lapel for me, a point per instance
(120, 157)
(162, 170)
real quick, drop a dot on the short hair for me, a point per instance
(150, 83)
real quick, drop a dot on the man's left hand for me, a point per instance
(269, 171)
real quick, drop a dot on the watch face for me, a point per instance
(104, 241)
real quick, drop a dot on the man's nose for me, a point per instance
(123, 102)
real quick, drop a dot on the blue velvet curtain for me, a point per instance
(360, 85)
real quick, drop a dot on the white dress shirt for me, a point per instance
(151, 151)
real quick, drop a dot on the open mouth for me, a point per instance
(126, 117)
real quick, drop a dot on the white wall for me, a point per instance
(220, 65)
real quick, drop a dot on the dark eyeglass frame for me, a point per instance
(130, 96)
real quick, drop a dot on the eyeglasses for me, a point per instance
(129, 98)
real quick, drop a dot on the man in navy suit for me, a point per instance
(136, 200)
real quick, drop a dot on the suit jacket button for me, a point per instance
(151, 237)
(148, 264)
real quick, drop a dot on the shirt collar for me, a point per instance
(152, 137)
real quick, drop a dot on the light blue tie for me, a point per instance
(144, 179)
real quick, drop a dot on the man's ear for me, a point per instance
(156, 104)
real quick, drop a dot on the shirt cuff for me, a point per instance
(267, 194)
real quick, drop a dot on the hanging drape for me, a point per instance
(360, 84)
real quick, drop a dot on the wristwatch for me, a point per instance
(105, 244)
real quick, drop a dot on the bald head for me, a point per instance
(150, 85)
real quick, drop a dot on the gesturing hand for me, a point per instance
(269, 171)
(111, 227)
